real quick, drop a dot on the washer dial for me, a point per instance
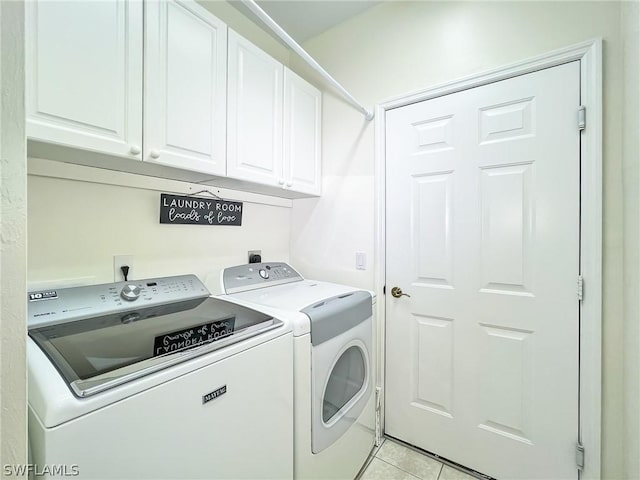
(130, 292)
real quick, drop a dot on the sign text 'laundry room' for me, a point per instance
(185, 210)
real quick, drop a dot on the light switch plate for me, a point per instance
(361, 261)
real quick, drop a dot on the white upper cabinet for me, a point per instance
(185, 87)
(165, 82)
(254, 149)
(302, 135)
(84, 75)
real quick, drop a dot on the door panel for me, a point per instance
(431, 203)
(433, 345)
(506, 224)
(483, 233)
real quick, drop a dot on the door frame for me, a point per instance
(589, 54)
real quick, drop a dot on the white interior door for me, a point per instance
(483, 198)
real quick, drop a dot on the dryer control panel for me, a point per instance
(257, 275)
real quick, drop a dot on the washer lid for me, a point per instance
(98, 353)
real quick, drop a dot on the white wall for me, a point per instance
(245, 27)
(630, 13)
(76, 227)
(13, 398)
(399, 47)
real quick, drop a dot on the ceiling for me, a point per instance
(304, 19)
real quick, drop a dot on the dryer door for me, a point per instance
(341, 385)
(341, 338)
(346, 380)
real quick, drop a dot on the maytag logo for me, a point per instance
(43, 295)
(215, 394)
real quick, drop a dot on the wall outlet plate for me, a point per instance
(119, 261)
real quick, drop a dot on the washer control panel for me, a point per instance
(75, 303)
(257, 275)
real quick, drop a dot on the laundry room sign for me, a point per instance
(184, 210)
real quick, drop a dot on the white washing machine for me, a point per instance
(155, 379)
(333, 328)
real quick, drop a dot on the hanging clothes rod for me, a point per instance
(286, 38)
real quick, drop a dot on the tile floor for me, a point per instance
(397, 462)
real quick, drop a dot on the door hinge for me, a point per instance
(582, 117)
(580, 456)
(378, 416)
(580, 288)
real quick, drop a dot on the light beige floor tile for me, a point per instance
(380, 470)
(449, 473)
(409, 460)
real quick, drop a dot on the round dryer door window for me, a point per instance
(347, 379)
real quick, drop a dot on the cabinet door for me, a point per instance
(255, 114)
(84, 74)
(302, 135)
(185, 86)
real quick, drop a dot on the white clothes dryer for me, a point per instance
(333, 327)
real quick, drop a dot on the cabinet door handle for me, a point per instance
(289, 184)
(281, 181)
(154, 154)
(134, 150)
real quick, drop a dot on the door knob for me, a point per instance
(397, 292)
(154, 154)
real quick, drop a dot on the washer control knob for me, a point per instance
(264, 274)
(130, 292)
